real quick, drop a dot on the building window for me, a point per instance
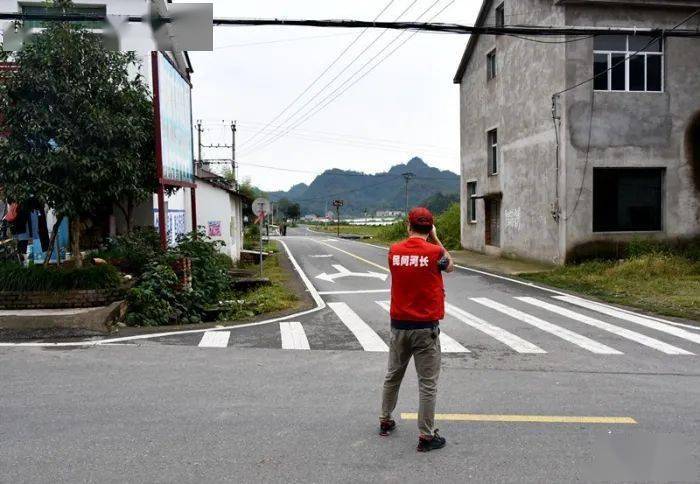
(627, 199)
(491, 65)
(617, 69)
(492, 145)
(500, 16)
(471, 202)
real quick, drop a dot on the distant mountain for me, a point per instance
(368, 193)
(295, 192)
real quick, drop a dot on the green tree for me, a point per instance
(294, 211)
(80, 127)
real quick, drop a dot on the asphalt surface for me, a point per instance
(240, 406)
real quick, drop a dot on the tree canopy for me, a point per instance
(80, 124)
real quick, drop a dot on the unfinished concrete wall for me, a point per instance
(630, 129)
(518, 103)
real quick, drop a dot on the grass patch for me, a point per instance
(14, 277)
(365, 230)
(447, 225)
(657, 282)
(277, 297)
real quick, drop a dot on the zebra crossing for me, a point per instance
(553, 319)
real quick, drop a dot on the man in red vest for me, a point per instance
(417, 306)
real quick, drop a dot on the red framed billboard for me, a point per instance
(172, 104)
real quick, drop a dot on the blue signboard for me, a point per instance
(175, 107)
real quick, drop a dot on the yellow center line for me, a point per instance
(471, 417)
(353, 255)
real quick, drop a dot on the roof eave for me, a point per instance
(480, 21)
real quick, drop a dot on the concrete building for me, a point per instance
(220, 211)
(620, 157)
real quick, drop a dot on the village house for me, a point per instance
(550, 176)
(220, 211)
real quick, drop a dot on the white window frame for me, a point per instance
(492, 149)
(471, 202)
(491, 65)
(628, 55)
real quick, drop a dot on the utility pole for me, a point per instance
(233, 151)
(199, 142)
(337, 204)
(408, 176)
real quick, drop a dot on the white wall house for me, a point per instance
(220, 212)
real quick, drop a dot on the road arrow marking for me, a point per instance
(343, 272)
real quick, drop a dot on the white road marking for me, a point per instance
(509, 339)
(321, 256)
(625, 333)
(633, 318)
(215, 339)
(293, 336)
(344, 272)
(368, 339)
(563, 333)
(542, 288)
(447, 344)
(365, 291)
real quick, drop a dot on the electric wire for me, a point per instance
(280, 41)
(318, 78)
(337, 92)
(216, 161)
(326, 135)
(329, 83)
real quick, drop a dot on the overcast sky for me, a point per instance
(407, 106)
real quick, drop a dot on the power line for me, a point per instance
(320, 135)
(456, 28)
(224, 161)
(342, 71)
(281, 41)
(339, 90)
(565, 41)
(350, 24)
(318, 78)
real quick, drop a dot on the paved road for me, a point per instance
(295, 400)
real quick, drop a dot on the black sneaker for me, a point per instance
(386, 427)
(426, 445)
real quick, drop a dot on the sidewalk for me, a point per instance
(500, 265)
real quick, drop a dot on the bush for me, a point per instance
(14, 277)
(134, 251)
(393, 232)
(152, 302)
(209, 272)
(158, 298)
(615, 250)
(448, 226)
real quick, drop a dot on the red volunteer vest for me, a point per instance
(417, 290)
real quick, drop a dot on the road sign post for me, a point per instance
(261, 207)
(337, 204)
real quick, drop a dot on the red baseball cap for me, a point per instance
(420, 217)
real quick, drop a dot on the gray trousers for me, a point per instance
(424, 346)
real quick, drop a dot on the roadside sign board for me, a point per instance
(261, 206)
(338, 203)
